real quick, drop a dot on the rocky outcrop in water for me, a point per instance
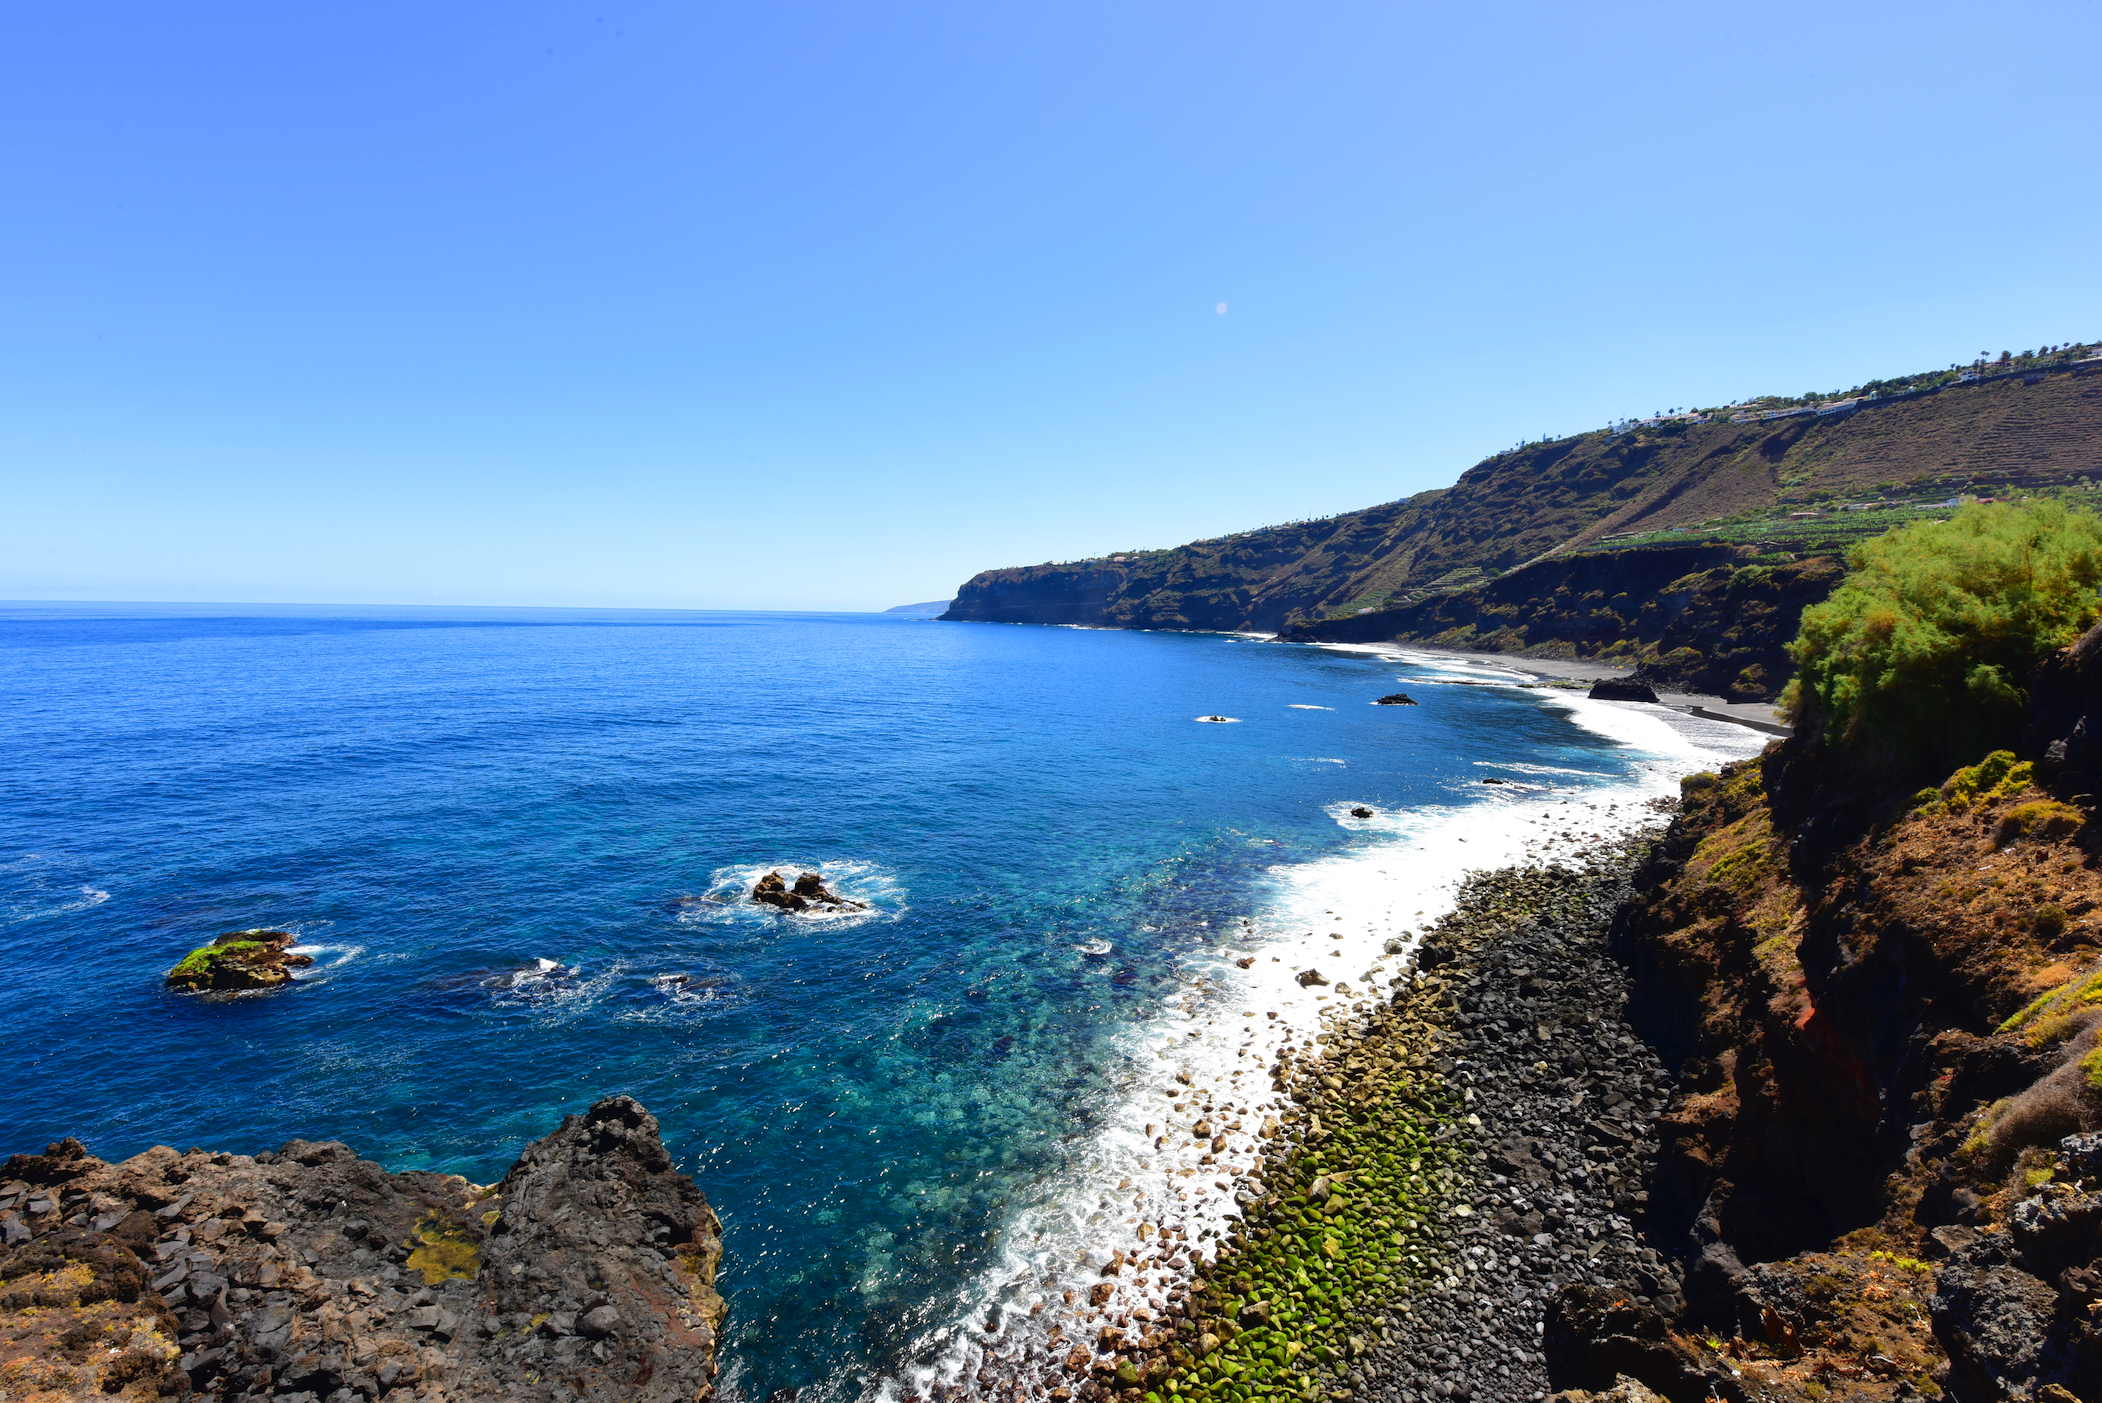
(808, 892)
(309, 1274)
(1619, 689)
(242, 959)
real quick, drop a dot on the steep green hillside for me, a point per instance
(2035, 428)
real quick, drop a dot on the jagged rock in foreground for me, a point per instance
(309, 1274)
(2014, 1305)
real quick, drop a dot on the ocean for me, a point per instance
(519, 845)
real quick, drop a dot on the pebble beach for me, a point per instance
(1447, 1163)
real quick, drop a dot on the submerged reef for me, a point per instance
(308, 1273)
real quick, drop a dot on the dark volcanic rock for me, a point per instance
(807, 892)
(1594, 1336)
(587, 1273)
(1549, 1279)
(2013, 1306)
(1396, 699)
(1615, 689)
(242, 959)
(1361, 812)
(1994, 1320)
(2064, 736)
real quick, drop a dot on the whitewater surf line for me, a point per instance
(1118, 1233)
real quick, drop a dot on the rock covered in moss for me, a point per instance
(589, 1272)
(242, 959)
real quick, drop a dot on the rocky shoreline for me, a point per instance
(1479, 1141)
(1486, 1185)
(1562, 1096)
(1493, 1185)
(1459, 1204)
(308, 1275)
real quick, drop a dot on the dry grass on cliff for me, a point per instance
(1996, 877)
(1982, 905)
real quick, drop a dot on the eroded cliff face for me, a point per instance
(310, 1274)
(1882, 1008)
(1713, 619)
(1040, 594)
(1696, 618)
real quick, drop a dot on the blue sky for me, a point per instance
(828, 306)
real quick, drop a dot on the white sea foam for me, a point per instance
(559, 994)
(1214, 1038)
(1519, 768)
(321, 971)
(43, 898)
(1308, 706)
(537, 976)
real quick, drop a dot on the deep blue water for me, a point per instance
(438, 800)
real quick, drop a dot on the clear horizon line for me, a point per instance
(369, 604)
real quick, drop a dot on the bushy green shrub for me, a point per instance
(1925, 646)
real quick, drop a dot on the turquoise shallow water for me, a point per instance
(483, 822)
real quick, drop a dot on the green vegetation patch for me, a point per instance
(199, 962)
(2041, 820)
(2054, 1014)
(1997, 776)
(1336, 1245)
(1923, 646)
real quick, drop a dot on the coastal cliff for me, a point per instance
(308, 1273)
(1438, 566)
(1713, 619)
(1883, 1009)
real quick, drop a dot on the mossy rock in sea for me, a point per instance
(242, 959)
